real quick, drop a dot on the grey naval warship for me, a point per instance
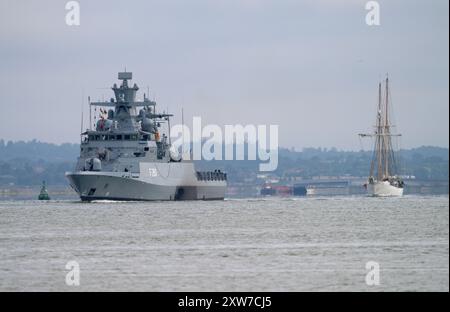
(127, 157)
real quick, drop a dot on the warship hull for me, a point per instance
(384, 189)
(103, 186)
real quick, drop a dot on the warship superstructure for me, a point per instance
(129, 157)
(384, 178)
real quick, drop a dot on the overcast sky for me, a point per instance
(311, 66)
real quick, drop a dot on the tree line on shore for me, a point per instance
(29, 163)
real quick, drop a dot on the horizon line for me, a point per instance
(327, 149)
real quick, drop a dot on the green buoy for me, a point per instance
(43, 195)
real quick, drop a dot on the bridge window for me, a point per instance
(119, 137)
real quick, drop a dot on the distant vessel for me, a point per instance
(43, 195)
(275, 190)
(327, 188)
(127, 158)
(384, 179)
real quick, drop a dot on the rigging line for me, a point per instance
(372, 163)
(399, 158)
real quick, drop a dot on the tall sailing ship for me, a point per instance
(384, 178)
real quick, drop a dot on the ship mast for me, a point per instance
(387, 137)
(384, 134)
(383, 157)
(379, 137)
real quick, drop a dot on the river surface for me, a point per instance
(276, 244)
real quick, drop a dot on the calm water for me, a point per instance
(304, 244)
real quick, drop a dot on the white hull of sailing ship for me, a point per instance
(384, 189)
